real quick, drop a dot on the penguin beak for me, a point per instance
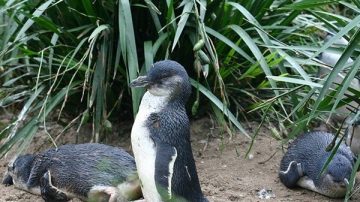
(7, 180)
(141, 81)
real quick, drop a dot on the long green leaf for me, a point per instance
(182, 22)
(219, 105)
(349, 188)
(345, 84)
(38, 12)
(128, 47)
(295, 81)
(303, 4)
(229, 43)
(26, 132)
(255, 50)
(149, 55)
(354, 23)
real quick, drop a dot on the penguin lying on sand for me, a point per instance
(306, 156)
(160, 136)
(90, 172)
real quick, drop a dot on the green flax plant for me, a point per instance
(247, 59)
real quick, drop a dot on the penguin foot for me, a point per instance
(50, 193)
(105, 193)
(130, 189)
(291, 176)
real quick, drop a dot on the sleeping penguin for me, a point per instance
(160, 136)
(306, 156)
(90, 172)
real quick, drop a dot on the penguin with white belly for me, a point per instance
(89, 172)
(305, 158)
(160, 136)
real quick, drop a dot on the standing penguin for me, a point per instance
(160, 136)
(330, 58)
(306, 156)
(352, 133)
(90, 172)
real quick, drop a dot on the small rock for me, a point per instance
(265, 194)
(202, 141)
(10, 198)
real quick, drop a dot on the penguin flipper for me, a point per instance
(49, 192)
(38, 169)
(164, 166)
(291, 176)
(33, 181)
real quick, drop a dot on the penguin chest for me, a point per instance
(145, 155)
(144, 147)
(307, 183)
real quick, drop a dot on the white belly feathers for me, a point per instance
(143, 146)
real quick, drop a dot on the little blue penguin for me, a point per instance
(160, 136)
(90, 172)
(352, 133)
(330, 58)
(306, 156)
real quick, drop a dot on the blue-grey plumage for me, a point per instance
(161, 136)
(305, 158)
(84, 171)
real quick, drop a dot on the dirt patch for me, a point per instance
(224, 172)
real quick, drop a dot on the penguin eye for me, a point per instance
(164, 81)
(160, 82)
(166, 75)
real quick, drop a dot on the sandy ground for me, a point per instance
(224, 172)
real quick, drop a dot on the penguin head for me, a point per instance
(166, 78)
(19, 170)
(339, 172)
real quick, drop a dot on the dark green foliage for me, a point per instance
(246, 58)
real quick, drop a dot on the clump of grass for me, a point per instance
(247, 59)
